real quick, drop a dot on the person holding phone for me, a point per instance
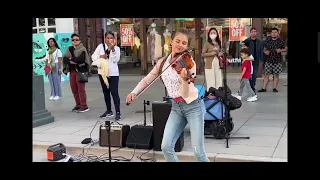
(111, 53)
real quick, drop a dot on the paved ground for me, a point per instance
(265, 121)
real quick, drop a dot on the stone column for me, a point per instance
(41, 115)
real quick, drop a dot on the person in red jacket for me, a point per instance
(245, 77)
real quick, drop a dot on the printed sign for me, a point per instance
(219, 29)
(237, 30)
(127, 34)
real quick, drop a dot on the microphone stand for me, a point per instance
(108, 127)
(226, 104)
(145, 112)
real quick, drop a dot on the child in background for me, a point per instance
(246, 75)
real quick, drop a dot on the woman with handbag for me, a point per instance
(76, 61)
(211, 52)
(53, 68)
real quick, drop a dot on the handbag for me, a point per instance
(82, 76)
(47, 68)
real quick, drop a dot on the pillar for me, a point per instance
(82, 30)
(41, 115)
(198, 45)
(258, 24)
(143, 47)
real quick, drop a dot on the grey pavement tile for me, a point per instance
(63, 130)
(281, 153)
(255, 140)
(59, 138)
(267, 122)
(86, 132)
(214, 147)
(82, 123)
(270, 116)
(266, 131)
(283, 143)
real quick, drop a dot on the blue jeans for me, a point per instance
(181, 114)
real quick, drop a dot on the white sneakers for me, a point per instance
(249, 99)
(54, 98)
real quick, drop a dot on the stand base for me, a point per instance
(41, 118)
(227, 138)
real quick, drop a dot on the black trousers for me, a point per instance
(113, 89)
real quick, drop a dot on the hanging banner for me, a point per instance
(237, 30)
(219, 29)
(127, 34)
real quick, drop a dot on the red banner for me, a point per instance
(127, 34)
(237, 30)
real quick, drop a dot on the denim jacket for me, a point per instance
(259, 48)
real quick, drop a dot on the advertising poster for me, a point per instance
(127, 34)
(237, 30)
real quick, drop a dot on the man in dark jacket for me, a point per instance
(256, 48)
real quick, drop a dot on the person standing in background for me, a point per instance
(75, 62)
(211, 51)
(111, 53)
(54, 61)
(256, 49)
(273, 65)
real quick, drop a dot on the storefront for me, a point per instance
(153, 36)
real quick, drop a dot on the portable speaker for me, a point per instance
(118, 135)
(140, 137)
(160, 114)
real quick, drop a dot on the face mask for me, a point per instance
(213, 36)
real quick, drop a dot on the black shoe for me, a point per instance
(81, 110)
(107, 114)
(262, 90)
(118, 116)
(275, 90)
(75, 109)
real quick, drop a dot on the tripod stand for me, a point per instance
(145, 103)
(226, 118)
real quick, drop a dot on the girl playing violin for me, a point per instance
(186, 105)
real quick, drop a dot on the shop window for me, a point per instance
(43, 25)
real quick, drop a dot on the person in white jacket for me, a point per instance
(111, 53)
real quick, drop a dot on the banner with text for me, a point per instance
(237, 30)
(127, 34)
(219, 29)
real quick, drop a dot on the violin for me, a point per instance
(184, 61)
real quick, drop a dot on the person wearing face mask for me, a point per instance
(211, 51)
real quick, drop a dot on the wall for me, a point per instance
(64, 25)
(39, 46)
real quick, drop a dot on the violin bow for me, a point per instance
(144, 89)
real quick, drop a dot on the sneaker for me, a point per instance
(107, 114)
(56, 98)
(262, 90)
(81, 110)
(75, 109)
(275, 90)
(118, 116)
(237, 96)
(252, 99)
(51, 98)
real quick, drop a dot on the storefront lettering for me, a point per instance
(235, 60)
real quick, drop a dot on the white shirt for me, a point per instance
(171, 79)
(56, 54)
(114, 58)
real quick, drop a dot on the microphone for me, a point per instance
(89, 140)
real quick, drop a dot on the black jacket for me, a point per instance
(81, 66)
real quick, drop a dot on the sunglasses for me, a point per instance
(75, 39)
